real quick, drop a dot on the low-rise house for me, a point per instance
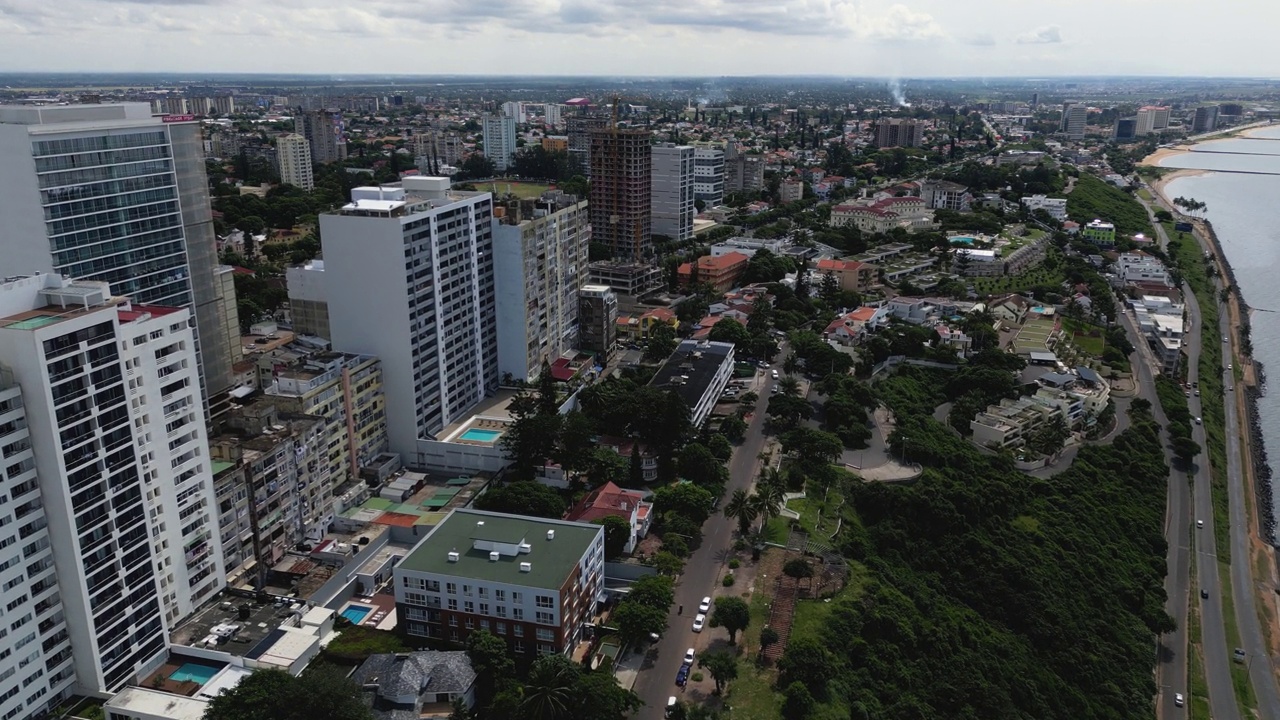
(1102, 234)
(609, 500)
(945, 195)
(413, 685)
(1056, 207)
(851, 328)
(852, 275)
(721, 272)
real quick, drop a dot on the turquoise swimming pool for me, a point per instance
(355, 613)
(484, 436)
(195, 672)
(962, 240)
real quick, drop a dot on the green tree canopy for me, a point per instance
(321, 693)
(722, 666)
(617, 532)
(523, 497)
(733, 614)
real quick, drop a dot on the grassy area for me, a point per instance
(1198, 684)
(1145, 194)
(1189, 257)
(522, 190)
(1239, 671)
(751, 696)
(1090, 339)
(1018, 283)
(1093, 198)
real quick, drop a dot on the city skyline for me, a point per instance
(619, 37)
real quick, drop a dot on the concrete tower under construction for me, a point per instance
(621, 182)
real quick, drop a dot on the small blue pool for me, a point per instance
(193, 672)
(355, 613)
(484, 436)
(961, 240)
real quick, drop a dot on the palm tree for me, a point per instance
(741, 508)
(789, 386)
(771, 499)
(549, 690)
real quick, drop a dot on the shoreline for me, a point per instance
(1158, 185)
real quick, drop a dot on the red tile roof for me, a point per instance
(604, 501)
(837, 265)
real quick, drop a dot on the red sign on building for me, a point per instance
(177, 118)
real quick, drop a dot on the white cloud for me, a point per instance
(1046, 35)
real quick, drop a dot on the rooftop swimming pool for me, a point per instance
(194, 672)
(355, 613)
(483, 436)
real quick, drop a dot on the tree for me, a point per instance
(597, 696)
(617, 533)
(523, 497)
(719, 446)
(490, 661)
(807, 661)
(789, 386)
(653, 591)
(812, 447)
(799, 703)
(668, 563)
(662, 342)
(549, 691)
(741, 508)
(768, 636)
(733, 614)
(575, 451)
(475, 167)
(798, 568)
(636, 621)
(734, 428)
(321, 692)
(698, 464)
(686, 499)
(722, 666)
(635, 467)
(787, 411)
(458, 709)
(730, 331)
(1049, 438)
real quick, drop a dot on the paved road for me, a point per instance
(1171, 651)
(702, 572)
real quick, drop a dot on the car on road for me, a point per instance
(705, 605)
(1197, 393)
(1204, 593)
(1197, 420)
(1178, 700)
(775, 374)
(1188, 393)
(672, 703)
(1199, 523)
(688, 656)
(682, 675)
(1230, 388)
(1224, 339)
(699, 622)
(1229, 366)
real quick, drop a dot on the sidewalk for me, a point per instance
(628, 669)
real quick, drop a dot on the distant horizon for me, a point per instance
(1039, 77)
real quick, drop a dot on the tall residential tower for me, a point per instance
(672, 198)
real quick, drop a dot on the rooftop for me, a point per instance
(690, 369)
(156, 703)
(263, 619)
(474, 534)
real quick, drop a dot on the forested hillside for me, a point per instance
(993, 594)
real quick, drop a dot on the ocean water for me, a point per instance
(1244, 209)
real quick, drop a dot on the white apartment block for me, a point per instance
(1151, 118)
(499, 140)
(708, 175)
(1011, 423)
(533, 582)
(106, 466)
(111, 193)
(672, 194)
(540, 261)
(1056, 207)
(36, 672)
(1140, 267)
(409, 278)
(293, 155)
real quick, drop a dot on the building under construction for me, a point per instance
(621, 166)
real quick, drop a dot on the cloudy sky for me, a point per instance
(643, 37)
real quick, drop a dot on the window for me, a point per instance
(453, 603)
(517, 630)
(468, 606)
(453, 635)
(545, 601)
(545, 634)
(451, 588)
(484, 608)
(545, 649)
(517, 613)
(520, 647)
(483, 592)
(544, 618)
(500, 595)
(466, 590)
(484, 624)
(470, 624)
(502, 628)
(517, 597)
(453, 621)
(433, 585)
(415, 598)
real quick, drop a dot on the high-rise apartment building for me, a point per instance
(597, 321)
(899, 132)
(499, 140)
(293, 153)
(540, 258)
(39, 674)
(1206, 119)
(1125, 129)
(1074, 118)
(708, 175)
(671, 198)
(514, 109)
(116, 433)
(325, 130)
(108, 192)
(409, 279)
(621, 182)
(578, 129)
(742, 172)
(1151, 118)
(308, 303)
(552, 114)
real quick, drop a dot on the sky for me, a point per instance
(912, 38)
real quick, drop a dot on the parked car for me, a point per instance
(1199, 523)
(682, 675)
(672, 703)
(688, 656)
(1178, 700)
(699, 622)
(705, 605)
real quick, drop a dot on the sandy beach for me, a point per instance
(1161, 154)
(1158, 185)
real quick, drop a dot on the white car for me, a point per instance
(699, 622)
(1197, 421)
(705, 605)
(1178, 700)
(1199, 523)
(688, 656)
(1229, 366)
